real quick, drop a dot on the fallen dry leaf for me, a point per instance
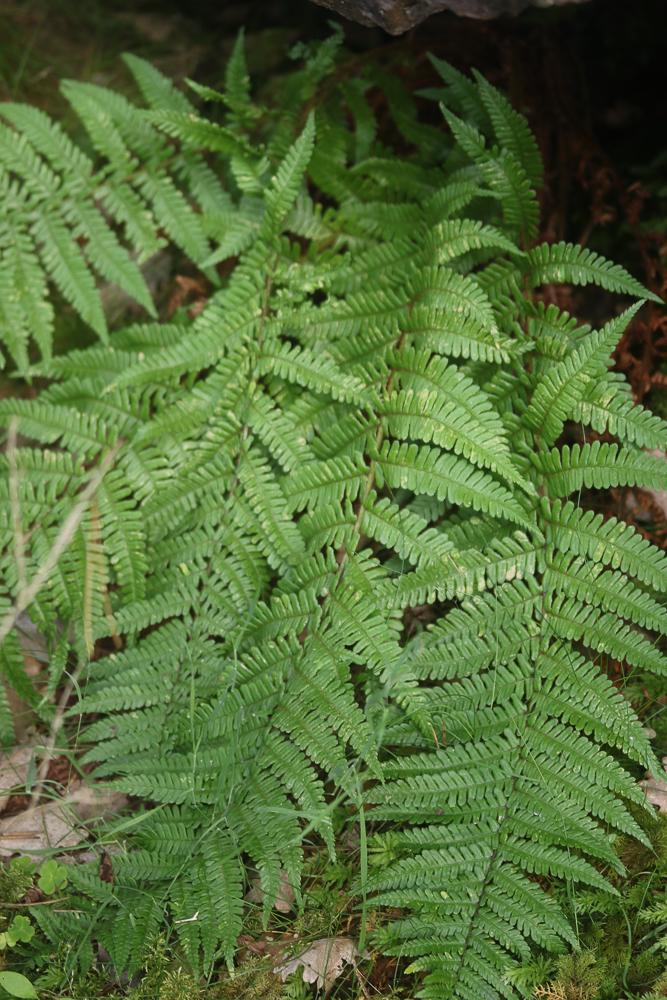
(284, 901)
(56, 824)
(656, 789)
(322, 962)
(13, 771)
(36, 829)
(90, 802)
(33, 642)
(659, 496)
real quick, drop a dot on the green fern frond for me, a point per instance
(284, 187)
(598, 466)
(435, 418)
(324, 482)
(216, 883)
(606, 589)
(26, 310)
(276, 529)
(331, 572)
(400, 530)
(69, 271)
(573, 619)
(566, 263)
(198, 132)
(562, 387)
(511, 130)
(459, 574)
(608, 407)
(303, 367)
(609, 542)
(574, 689)
(430, 471)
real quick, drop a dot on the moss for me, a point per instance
(15, 880)
(253, 980)
(622, 951)
(178, 985)
(579, 977)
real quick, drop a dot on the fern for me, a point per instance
(69, 215)
(560, 263)
(365, 419)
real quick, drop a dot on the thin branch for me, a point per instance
(29, 592)
(15, 503)
(46, 752)
(25, 906)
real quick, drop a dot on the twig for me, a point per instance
(362, 984)
(24, 906)
(47, 751)
(15, 503)
(29, 592)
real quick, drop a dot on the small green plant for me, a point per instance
(17, 878)
(23, 873)
(20, 929)
(622, 937)
(327, 547)
(255, 980)
(52, 877)
(578, 977)
(16, 985)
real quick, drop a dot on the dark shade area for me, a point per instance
(397, 16)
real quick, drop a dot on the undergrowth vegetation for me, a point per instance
(313, 560)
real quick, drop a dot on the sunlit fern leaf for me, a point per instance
(560, 263)
(608, 406)
(598, 466)
(428, 470)
(562, 387)
(610, 542)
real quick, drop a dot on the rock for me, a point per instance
(397, 16)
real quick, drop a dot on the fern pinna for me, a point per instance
(373, 424)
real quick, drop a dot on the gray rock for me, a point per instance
(397, 16)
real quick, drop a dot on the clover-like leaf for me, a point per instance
(52, 877)
(20, 929)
